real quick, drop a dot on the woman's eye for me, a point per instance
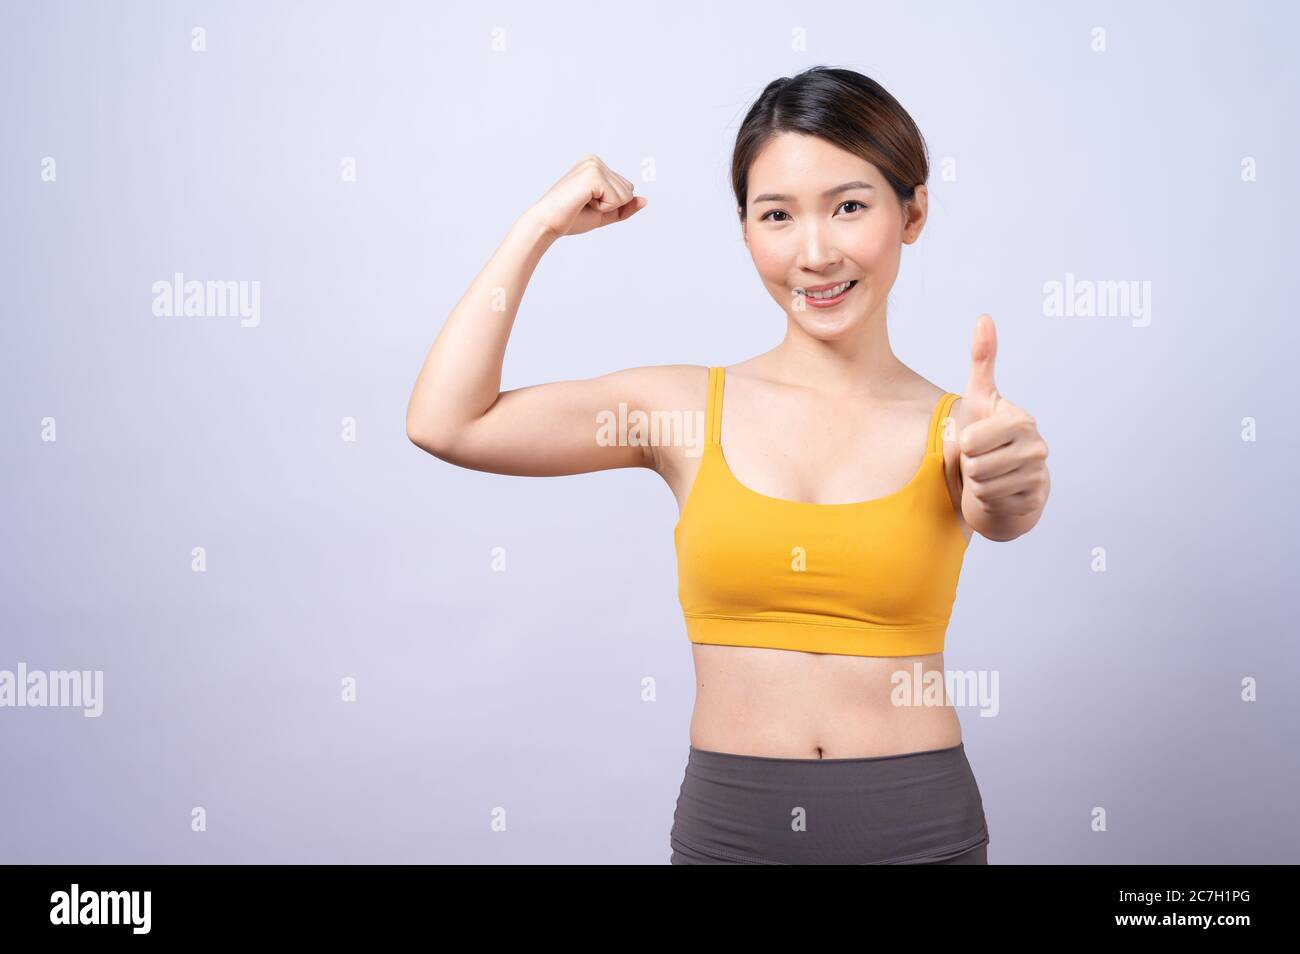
(764, 217)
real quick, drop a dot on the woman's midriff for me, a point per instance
(786, 704)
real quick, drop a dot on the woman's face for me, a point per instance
(821, 216)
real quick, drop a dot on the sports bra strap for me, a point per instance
(941, 410)
(713, 409)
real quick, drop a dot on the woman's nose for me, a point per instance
(816, 252)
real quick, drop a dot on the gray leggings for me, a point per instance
(909, 809)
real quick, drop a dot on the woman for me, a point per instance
(817, 560)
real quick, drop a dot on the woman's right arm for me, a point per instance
(457, 411)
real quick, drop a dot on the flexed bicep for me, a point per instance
(560, 427)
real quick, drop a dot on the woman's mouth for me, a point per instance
(829, 296)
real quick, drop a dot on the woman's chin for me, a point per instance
(827, 325)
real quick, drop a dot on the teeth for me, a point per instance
(830, 292)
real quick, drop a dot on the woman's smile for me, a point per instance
(827, 297)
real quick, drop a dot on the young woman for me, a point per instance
(825, 509)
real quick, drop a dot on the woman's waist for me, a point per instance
(814, 705)
(786, 726)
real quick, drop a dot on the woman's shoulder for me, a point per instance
(930, 398)
(918, 390)
(681, 385)
(672, 389)
(658, 382)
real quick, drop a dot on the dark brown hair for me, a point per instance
(845, 108)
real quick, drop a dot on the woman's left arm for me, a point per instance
(1004, 479)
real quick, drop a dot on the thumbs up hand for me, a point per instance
(1003, 457)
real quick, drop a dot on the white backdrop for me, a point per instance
(224, 517)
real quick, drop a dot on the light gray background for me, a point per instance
(523, 689)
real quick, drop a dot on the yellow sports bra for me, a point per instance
(870, 578)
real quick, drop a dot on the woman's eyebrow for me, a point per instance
(778, 197)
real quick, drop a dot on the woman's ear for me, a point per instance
(743, 233)
(915, 213)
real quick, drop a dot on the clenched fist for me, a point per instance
(588, 196)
